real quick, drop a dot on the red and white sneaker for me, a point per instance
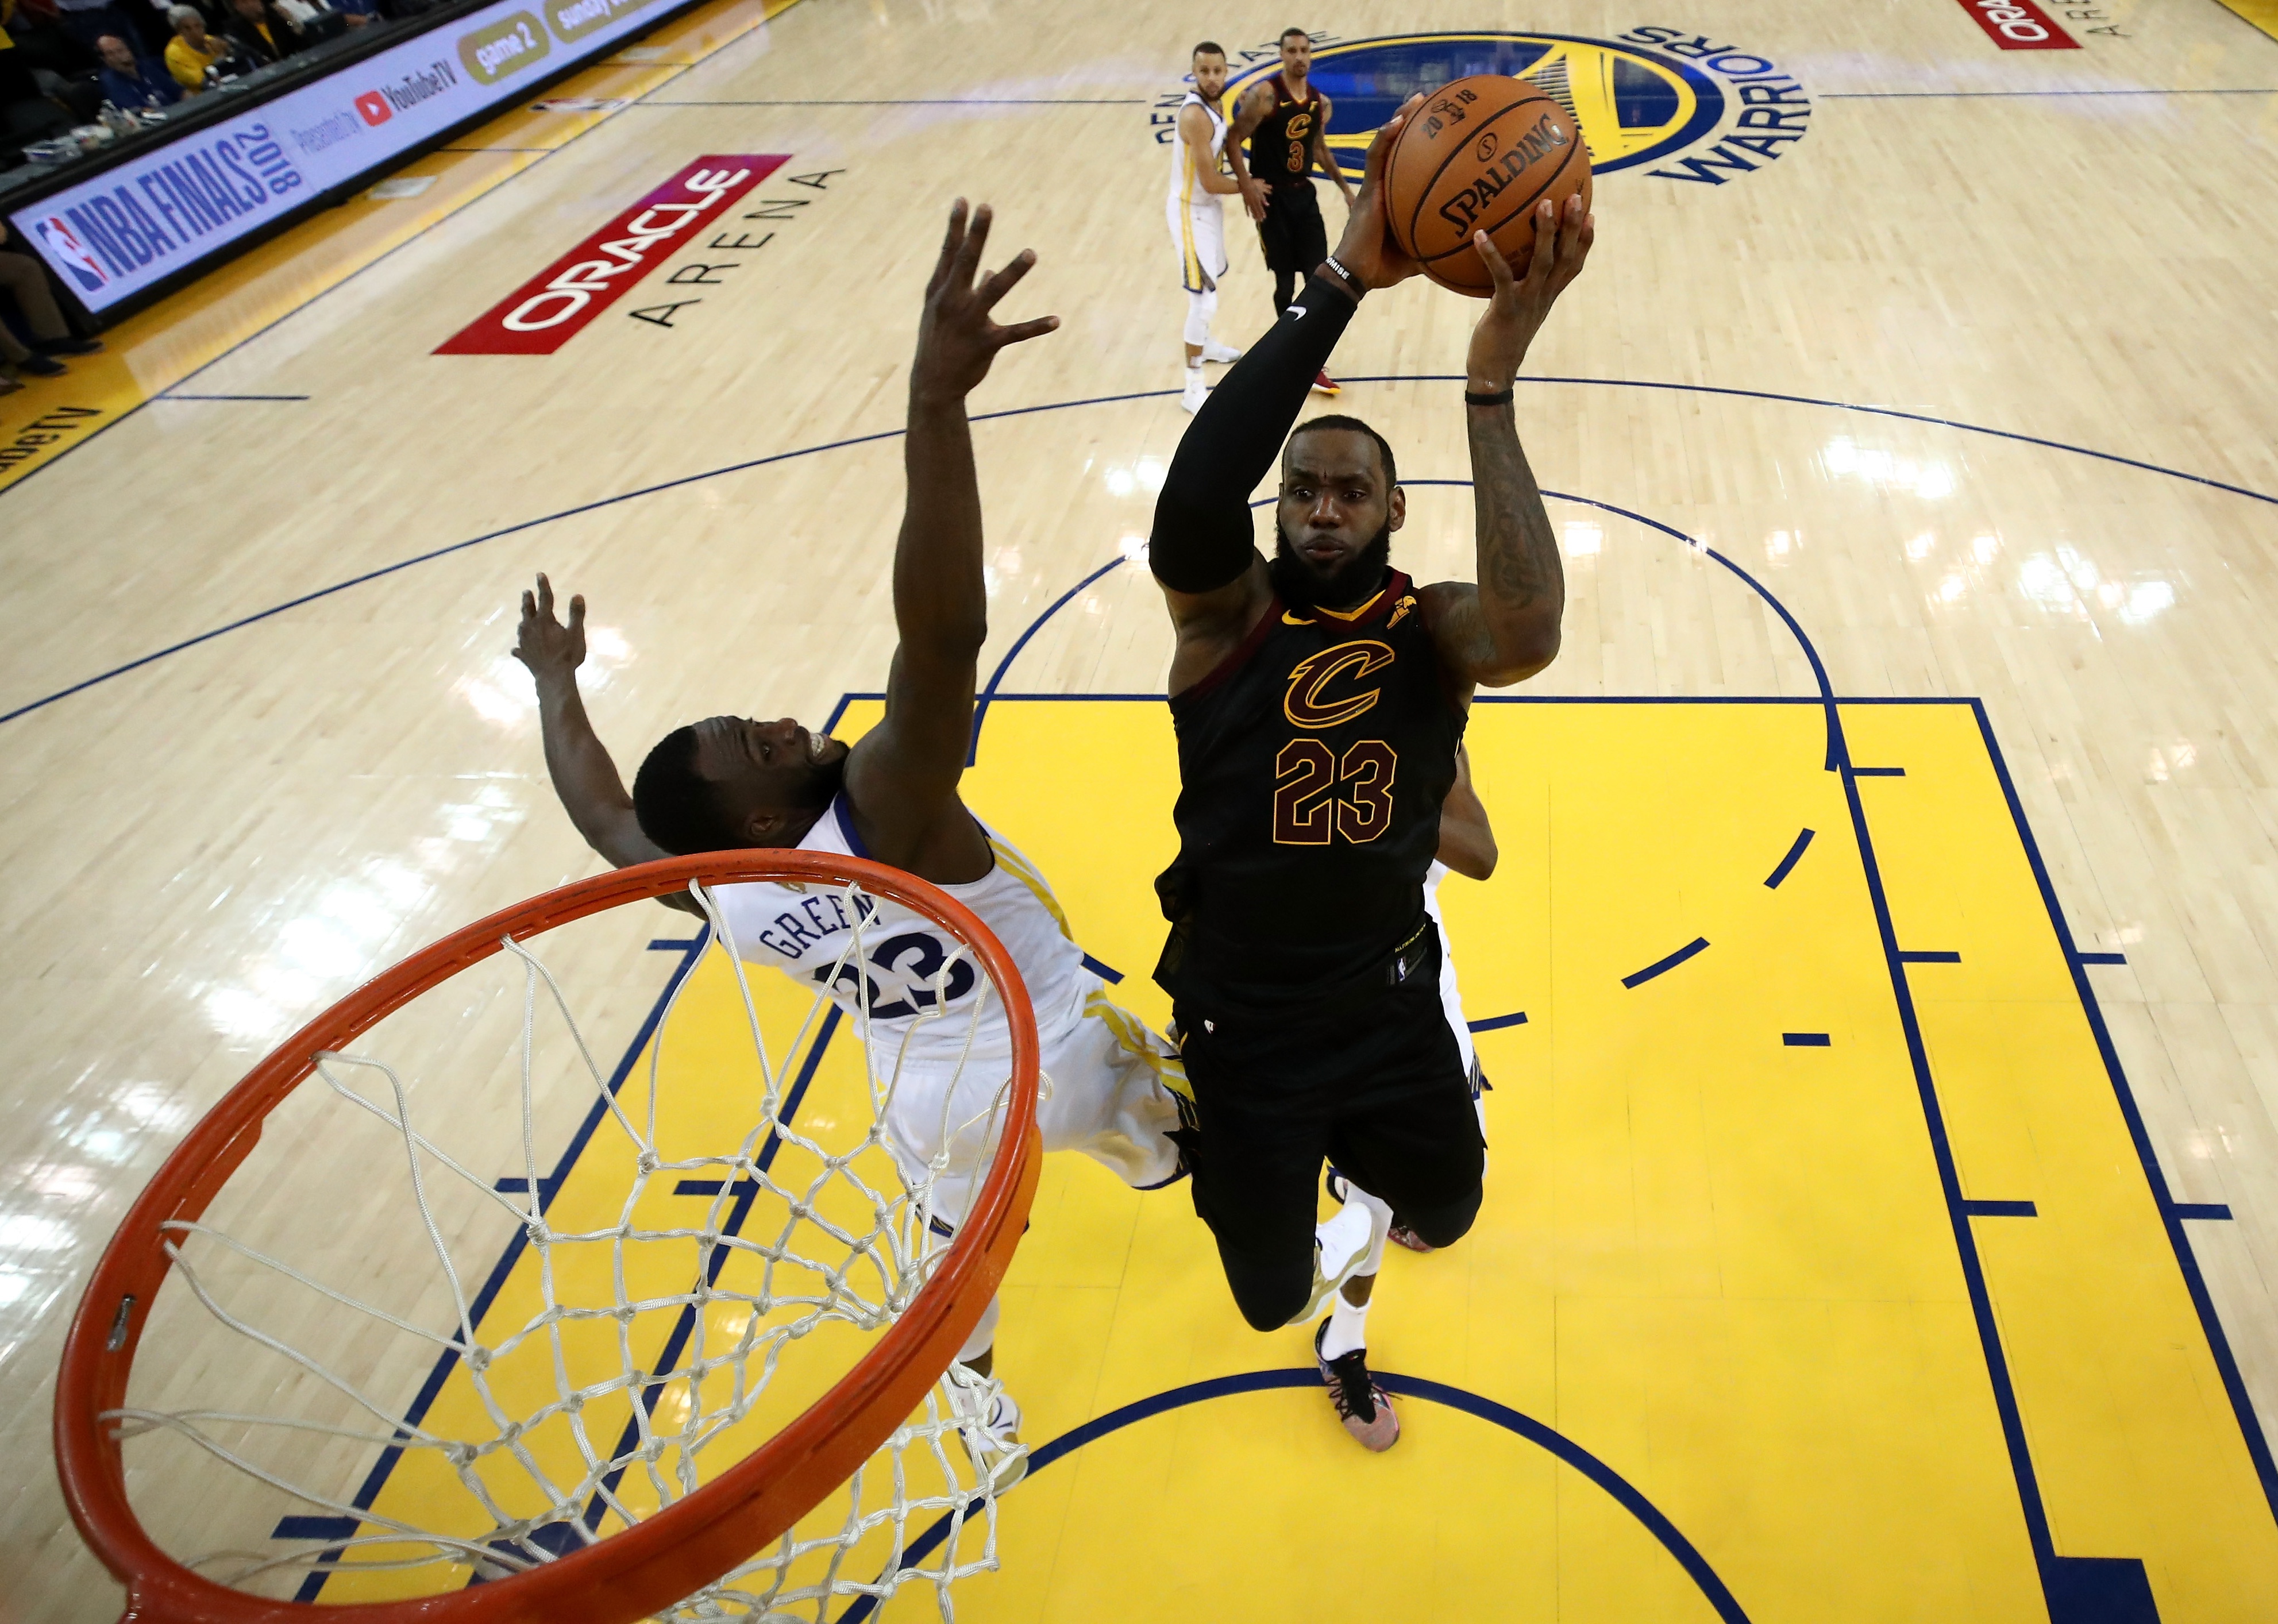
(1323, 384)
(1402, 1236)
(1363, 1407)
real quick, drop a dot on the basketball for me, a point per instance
(1479, 155)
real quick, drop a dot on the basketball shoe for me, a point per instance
(1222, 353)
(988, 1425)
(1323, 384)
(1197, 390)
(1362, 1405)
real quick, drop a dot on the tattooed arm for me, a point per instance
(1506, 629)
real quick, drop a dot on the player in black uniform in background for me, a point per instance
(1286, 122)
(1319, 701)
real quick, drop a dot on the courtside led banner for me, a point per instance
(2019, 25)
(180, 201)
(548, 310)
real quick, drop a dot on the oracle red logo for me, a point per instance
(546, 312)
(2019, 25)
(374, 106)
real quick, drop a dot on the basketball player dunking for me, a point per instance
(1286, 122)
(729, 783)
(1200, 180)
(1319, 701)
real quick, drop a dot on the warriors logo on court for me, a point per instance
(1670, 102)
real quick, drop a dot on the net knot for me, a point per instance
(648, 1160)
(478, 1357)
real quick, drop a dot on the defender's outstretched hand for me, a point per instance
(957, 341)
(1367, 249)
(1520, 305)
(550, 650)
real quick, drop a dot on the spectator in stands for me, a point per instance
(89, 20)
(24, 280)
(259, 31)
(130, 82)
(192, 50)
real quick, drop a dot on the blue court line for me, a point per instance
(169, 396)
(1844, 405)
(1787, 863)
(548, 1184)
(1496, 1023)
(2242, 1403)
(1880, 772)
(1805, 1040)
(1618, 1488)
(2030, 1505)
(989, 691)
(2199, 1209)
(2000, 1209)
(599, 502)
(1662, 967)
(1929, 956)
(2099, 958)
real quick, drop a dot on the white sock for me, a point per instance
(1347, 1328)
(1194, 367)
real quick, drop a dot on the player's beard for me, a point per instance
(1301, 587)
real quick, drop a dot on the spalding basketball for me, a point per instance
(1478, 154)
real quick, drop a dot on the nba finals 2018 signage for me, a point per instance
(1669, 103)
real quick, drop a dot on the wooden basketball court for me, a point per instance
(1882, 1207)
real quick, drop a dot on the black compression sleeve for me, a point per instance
(1203, 534)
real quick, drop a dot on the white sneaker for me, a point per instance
(1343, 1247)
(1220, 353)
(1197, 390)
(991, 1438)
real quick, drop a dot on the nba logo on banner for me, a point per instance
(64, 248)
(552, 307)
(2019, 25)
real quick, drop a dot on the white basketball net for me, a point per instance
(837, 1245)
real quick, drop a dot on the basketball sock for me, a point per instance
(1347, 1328)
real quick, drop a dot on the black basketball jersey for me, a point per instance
(1281, 149)
(1312, 766)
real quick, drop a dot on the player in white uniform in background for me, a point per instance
(729, 782)
(1199, 179)
(1467, 847)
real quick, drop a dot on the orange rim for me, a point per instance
(686, 1545)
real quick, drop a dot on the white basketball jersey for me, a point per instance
(805, 932)
(1184, 188)
(1451, 997)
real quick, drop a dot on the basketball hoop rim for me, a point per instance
(687, 1544)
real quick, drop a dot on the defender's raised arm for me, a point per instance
(903, 775)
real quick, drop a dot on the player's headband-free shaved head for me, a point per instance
(1208, 48)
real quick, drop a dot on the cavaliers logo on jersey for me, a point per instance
(1326, 689)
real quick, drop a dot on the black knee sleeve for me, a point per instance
(1444, 1226)
(1270, 1295)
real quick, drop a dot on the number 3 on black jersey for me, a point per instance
(1307, 809)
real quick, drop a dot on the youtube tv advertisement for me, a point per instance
(180, 203)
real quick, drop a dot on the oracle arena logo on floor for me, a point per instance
(1675, 103)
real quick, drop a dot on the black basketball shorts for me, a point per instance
(1380, 1090)
(1292, 234)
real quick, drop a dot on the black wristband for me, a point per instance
(1502, 398)
(1351, 284)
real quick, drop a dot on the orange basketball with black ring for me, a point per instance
(1478, 154)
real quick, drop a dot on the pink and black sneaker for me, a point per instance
(1363, 1407)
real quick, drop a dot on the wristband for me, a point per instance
(1502, 398)
(1352, 282)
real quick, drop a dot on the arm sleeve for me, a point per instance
(1203, 533)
